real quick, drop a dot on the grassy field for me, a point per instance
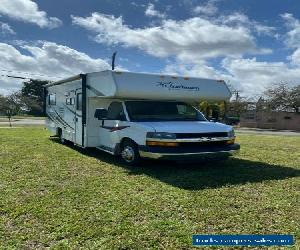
(60, 197)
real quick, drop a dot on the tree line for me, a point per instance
(279, 97)
(29, 100)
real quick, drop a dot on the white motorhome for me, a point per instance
(137, 115)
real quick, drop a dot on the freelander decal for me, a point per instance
(176, 86)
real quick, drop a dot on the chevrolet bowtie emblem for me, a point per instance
(205, 139)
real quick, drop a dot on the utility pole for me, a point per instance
(8, 112)
(237, 94)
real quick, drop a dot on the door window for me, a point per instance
(116, 112)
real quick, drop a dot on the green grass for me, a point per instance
(57, 196)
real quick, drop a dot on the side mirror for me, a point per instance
(100, 114)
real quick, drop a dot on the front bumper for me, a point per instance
(174, 153)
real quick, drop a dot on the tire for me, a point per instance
(130, 153)
(60, 136)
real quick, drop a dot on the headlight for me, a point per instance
(161, 135)
(230, 133)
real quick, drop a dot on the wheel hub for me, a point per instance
(128, 154)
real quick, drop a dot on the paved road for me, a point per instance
(266, 131)
(20, 122)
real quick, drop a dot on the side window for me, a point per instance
(79, 101)
(116, 112)
(181, 109)
(70, 101)
(185, 110)
(52, 99)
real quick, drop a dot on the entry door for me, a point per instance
(78, 118)
(110, 127)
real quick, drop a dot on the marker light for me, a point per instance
(162, 144)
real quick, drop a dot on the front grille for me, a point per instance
(202, 144)
(199, 135)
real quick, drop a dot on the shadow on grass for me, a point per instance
(202, 174)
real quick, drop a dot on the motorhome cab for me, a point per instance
(138, 115)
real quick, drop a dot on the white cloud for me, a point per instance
(208, 9)
(191, 39)
(194, 42)
(201, 69)
(48, 59)
(252, 76)
(249, 76)
(295, 57)
(240, 19)
(8, 85)
(137, 4)
(264, 29)
(293, 35)
(5, 29)
(28, 11)
(152, 12)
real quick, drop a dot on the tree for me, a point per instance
(15, 104)
(238, 107)
(205, 108)
(222, 109)
(284, 98)
(295, 98)
(3, 105)
(213, 110)
(11, 104)
(32, 96)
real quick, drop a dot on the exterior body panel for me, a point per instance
(128, 85)
(71, 106)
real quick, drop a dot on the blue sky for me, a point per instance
(250, 44)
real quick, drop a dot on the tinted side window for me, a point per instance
(116, 112)
(70, 101)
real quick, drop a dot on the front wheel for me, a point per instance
(129, 153)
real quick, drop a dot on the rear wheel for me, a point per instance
(129, 153)
(60, 136)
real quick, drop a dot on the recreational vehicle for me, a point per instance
(137, 115)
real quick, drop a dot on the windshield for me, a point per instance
(162, 111)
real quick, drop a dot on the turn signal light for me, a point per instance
(161, 143)
(230, 141)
